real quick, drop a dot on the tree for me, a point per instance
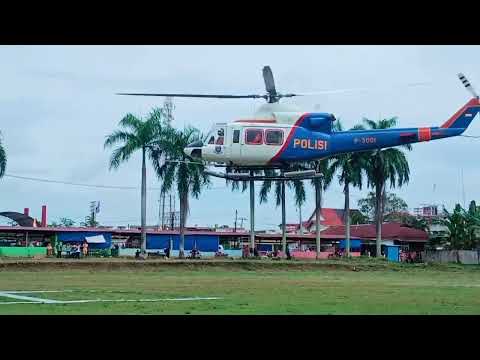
(179, 171)
(473, 226)
(393, 206)
(321, 182)
(463, 227)
(90, 222)
(382, 166)
(280, 185)
(65, 222)
(3, 158)
(356, 218)
(137, 134)
(457, 227)
(350, 167)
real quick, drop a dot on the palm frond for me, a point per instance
(131, 122)
(3, 159)
(119, 136)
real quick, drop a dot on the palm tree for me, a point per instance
(297, 186)
(137, 134)
(188, 176)
(3, 158)
(382, 166)
(266, 187)
(321, 182)
(351, 167)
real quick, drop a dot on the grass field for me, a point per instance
(373, 288)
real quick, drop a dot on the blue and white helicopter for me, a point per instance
(279, 136)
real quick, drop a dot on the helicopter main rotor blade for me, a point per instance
(212, 96)
(341, 91)
(269, 82)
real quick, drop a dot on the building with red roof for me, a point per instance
(328, 217)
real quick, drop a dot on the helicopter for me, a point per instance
(279, 136)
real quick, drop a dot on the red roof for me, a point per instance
(390, 231)
(301, 237)
(330, 216)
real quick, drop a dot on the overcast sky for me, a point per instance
(57, 104)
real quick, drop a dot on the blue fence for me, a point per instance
(208, 243)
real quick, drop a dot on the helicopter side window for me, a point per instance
(274, 137)
(254, 136)
(220, 134)
(236, 136)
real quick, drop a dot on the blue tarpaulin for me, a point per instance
(393, 253)
(70, 236)
(265, 247)
(354, 244)
(203, 242)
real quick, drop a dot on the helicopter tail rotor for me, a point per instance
(467, 85)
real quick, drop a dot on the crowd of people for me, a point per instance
(248, 252)
(74, 250)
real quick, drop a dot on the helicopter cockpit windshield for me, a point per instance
(216, 135)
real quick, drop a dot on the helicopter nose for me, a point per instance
(194, 150)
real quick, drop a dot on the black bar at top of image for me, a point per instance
(242, 24)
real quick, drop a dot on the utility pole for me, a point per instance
(241, 221)
(174, 212)
(300, 216)
(160, 221)
(252, 212)
(163, 210)
(318, 194)
(284, 233)
(170, 212)
(235, 227)
(92, 213)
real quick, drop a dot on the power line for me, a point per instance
(471, 136)
(90, 185)
(75, 184)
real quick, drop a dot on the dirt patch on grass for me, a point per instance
(194, 265)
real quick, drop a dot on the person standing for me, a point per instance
(49, 250)
(59, 248)
(85, 248)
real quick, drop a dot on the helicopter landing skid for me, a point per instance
(285, 176)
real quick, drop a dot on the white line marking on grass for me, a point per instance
(34, 291)
(48, 301)
(28, 298)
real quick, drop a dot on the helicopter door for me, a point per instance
(235, 144)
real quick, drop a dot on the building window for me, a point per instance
(254, 137)
(236, 136)
(274, 137)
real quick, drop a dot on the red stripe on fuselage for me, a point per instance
(285, 144)
(257, 121)
(424, 134)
